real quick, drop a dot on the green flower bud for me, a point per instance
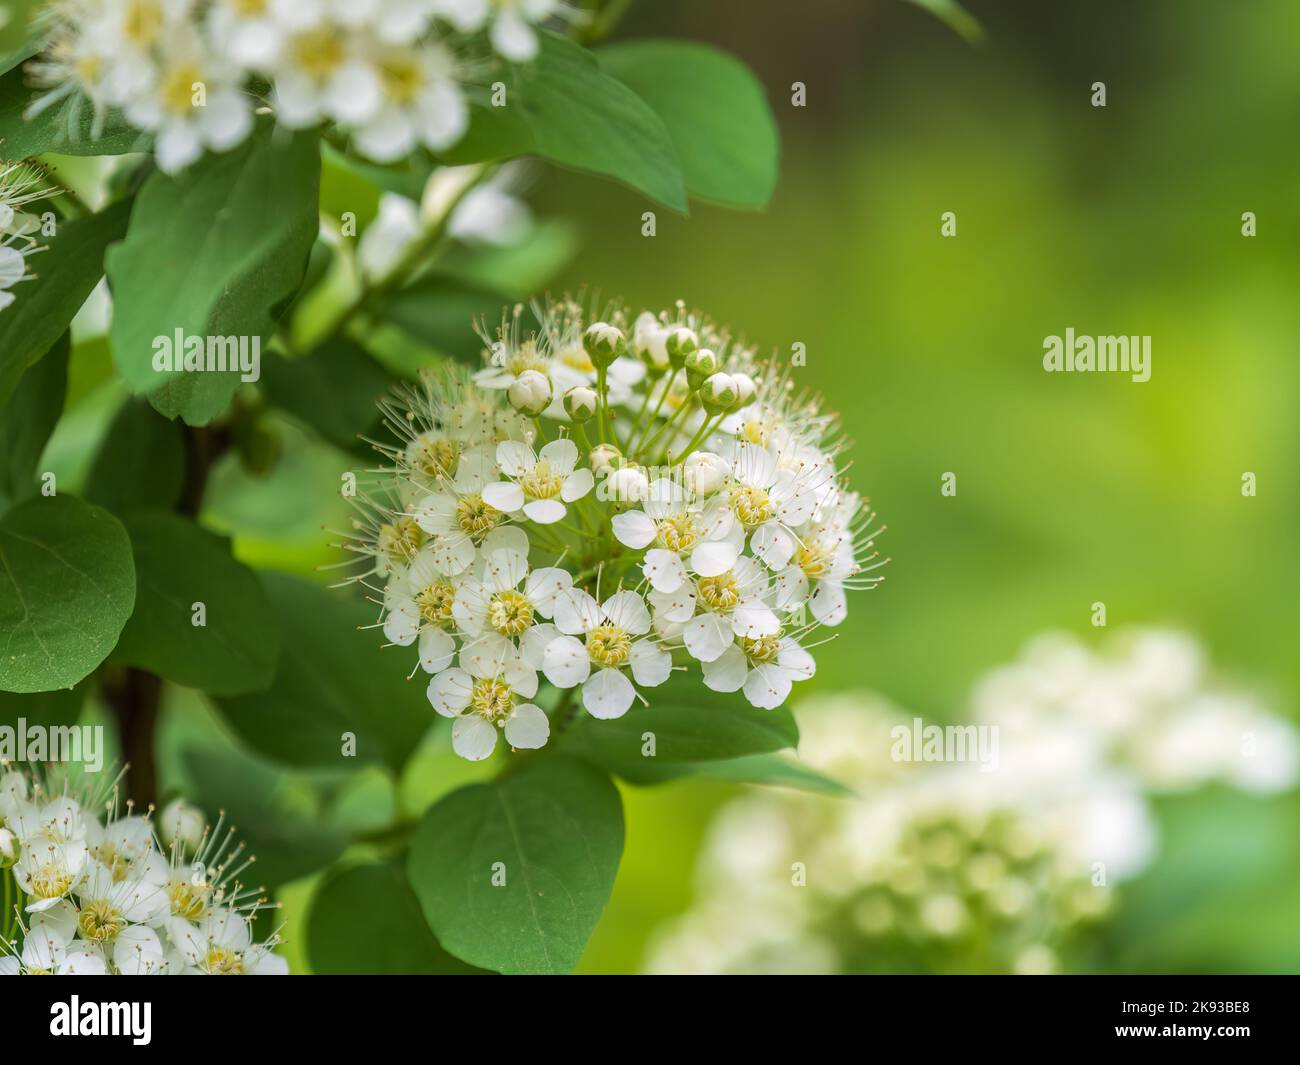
(580, 403)
(530, 393)
(605, 457)
(10, 848)
(680, 344)
(719, 393)
(700, 364)
(604, 343)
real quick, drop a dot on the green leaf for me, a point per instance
(178, 565)
(440, 313)
(65, 275)
(212, 252)
(27, 421)
(141, 461)
(565, 108)
(716, 112)
(334, 390)
(15, 31)
(51, 709)
(516, 271)
(684, 730)
(331, 679)
(289, 841)
(770, 770)
(554, 832)
(957, 18)
(67, 586)
(67, 127)
(367, 920)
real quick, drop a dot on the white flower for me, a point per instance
(769, 502)
(541, 483)
(221, 944)
(109, 900)
(715, 610)
(680, 527)
(462, 517)
(182, 825)
(511, 22)
(486, 694)
(498, 613)
(609, 644)
(325, 71)
(196, 102)
(765, 668)
(421, 103)
(388, 236)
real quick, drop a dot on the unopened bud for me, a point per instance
(181, 825)
(627, 485)
(649, 344)
(530, 393)
(681, 343)
(580, 403)
(604, 343)
(719, 393)
(9, 848)
(699, 365)
(745, 387)
(705, 472)
(605, 457)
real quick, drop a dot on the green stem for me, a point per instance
(668, 387)
(706, 428)
(649, 445)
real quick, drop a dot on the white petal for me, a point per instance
(576, 485)
(544, 585)
(513, 38)
(767, 687)
(664, 570)
(515, 458)
(565, 662)
(633, 529)
(675, 606)
(627, 610)
(544, 511)
(714, 557)
(726, 673)
(527, 727)
(795, 660)
(533, 644)
(503, 570)
(576, 612)
(607, 694)
(436, 650)
(402, 624)
(707, 636)
(753, 618)
(506, 496)
(772, 544)
(651, 664)
(449, 691)
(828, 603)
(473, 738)
(791, 588)
(561, 455)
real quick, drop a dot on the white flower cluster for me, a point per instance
(20, 185)
(103, 896)
(192, 72)
(946, 867)
(706, 522)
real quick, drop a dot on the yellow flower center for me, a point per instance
(318, 53)
(678, 533)
(754, 432)
(761, 648)
(492, 699)
(609, 645)
(435, 602)
(526, 358)
(400, 540)
(189, 900)
(438, 457)
(100, 922)
(142, 22)
(751, 505)
(541, 482)
(222, 961)
(111, 857)
(510, 613)
(576, 358)
(178, 86)
(248, 7)
(402, 77)
(814, 559)
(51, 881)
(719, 593)
(476, 517)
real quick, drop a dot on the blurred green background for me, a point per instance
(1071, 488)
